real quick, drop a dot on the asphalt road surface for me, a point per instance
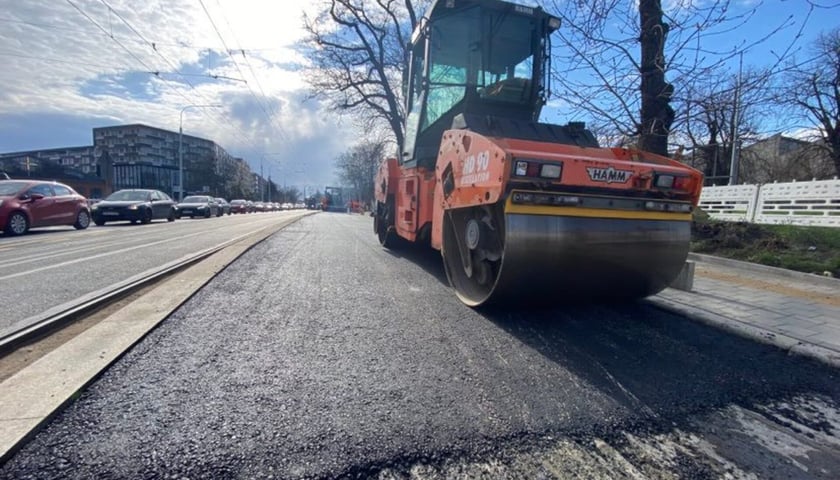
(49, 267)
(319, 354)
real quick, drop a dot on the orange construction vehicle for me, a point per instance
(522, 210)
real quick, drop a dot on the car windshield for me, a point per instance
(195, 200)
(128, 196)
(237, 202)
(11, 188)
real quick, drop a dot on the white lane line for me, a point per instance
(129, 237)
(106, 254)
(126, 236)
(41, 256)
(92, 257)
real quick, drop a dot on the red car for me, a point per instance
(26, 204)
(238, 206)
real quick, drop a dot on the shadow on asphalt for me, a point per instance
(659, 363)
(654, 362)
(423, 256)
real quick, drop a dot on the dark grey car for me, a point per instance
(224, 206)
(134, 205)
(198, 206)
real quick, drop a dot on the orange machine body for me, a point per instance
(481, 172)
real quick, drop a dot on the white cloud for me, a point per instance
(59, 64)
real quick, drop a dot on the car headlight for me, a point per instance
(132, 207)
(202, 207)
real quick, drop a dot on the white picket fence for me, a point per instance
(796, 203)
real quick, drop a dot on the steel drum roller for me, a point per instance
(553, 259)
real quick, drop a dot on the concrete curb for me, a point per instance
(786, 343)
(757, 268)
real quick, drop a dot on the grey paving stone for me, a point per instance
(798, 331)
(786, 315)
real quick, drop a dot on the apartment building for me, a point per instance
(147, 157)
(139, 156)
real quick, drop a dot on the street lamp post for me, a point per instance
(262, 158)
(181, 147)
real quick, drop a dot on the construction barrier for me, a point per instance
(815, 203)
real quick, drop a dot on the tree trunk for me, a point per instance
(657, 114)
(833, 140)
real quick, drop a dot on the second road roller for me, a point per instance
(522, 211)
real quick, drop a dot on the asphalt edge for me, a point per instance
(790, 345)
(18, 443)
(758, 268)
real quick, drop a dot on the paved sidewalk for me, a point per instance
(794, 311)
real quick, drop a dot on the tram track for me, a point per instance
(55, 318)
(38, 383)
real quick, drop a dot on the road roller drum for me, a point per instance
(551, 259)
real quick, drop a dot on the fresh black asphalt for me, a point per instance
(320, 354)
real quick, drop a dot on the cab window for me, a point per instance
(449, 62)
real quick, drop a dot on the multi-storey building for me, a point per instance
(140, 156)
(77, 158)
(147, 157)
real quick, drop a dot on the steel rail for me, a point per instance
(62, 315)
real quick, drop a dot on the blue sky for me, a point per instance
(62, 75)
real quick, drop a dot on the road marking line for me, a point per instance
(106, 254)
(111, 241)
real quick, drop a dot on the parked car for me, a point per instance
(134, 205)
(26, 204)
(238, 206)
(224, 206)
(251, 207)
(198, 206)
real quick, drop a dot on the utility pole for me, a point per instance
(734, 160)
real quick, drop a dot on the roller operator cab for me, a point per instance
(522, 211)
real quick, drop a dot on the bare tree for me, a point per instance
(357, 51)
(813, 90)
(357, 167)
(613, 57)
(720, 113)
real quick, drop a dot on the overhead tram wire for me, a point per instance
(157, 74)
(147, 68)
(242, 135)
(138, 59)
(52, 26)
(247, 61)
(227, 49)
(56, 60)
